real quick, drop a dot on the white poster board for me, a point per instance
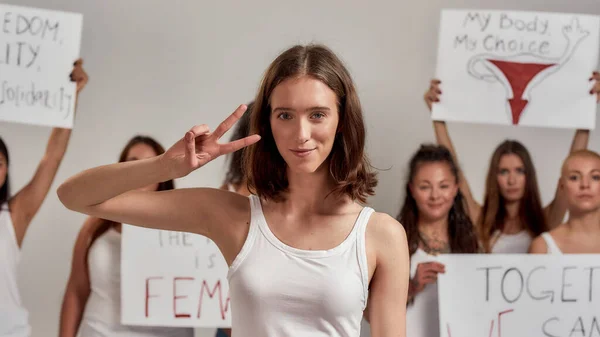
(172, 279)
(517, 68)
(37, 50)
(519, 295)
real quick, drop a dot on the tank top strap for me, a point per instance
(256, 215)
(552, 247)
(361, 240)
(6, 220)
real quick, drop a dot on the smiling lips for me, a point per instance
(302, 152)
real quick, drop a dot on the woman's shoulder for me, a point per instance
(383, 227)
(540, 243)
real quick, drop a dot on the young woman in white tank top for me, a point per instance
(17, 212)
(304, 255)
(580, 181)
(512, 213)
(92, 300)
(433, 209)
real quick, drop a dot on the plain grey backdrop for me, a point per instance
(157, 67)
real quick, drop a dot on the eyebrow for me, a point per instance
(314, 108)
(579, 172)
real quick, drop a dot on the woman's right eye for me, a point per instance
(284, 115)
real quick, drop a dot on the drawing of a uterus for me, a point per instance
(520, 73)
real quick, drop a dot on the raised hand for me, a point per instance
(78, 75)
(432, 95)
(199, 146)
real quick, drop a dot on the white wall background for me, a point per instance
(160, 66)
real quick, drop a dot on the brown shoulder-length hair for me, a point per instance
(348, 164)
(493, 213)
(462, 236)
(163, 186)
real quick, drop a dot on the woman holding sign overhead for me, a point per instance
(436, 222)
(580, 182)
(17, 212)
(304, 254)
(92, 299)
(511, 214)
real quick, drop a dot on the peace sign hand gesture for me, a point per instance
(199, 146)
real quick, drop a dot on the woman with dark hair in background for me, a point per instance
(17, 212)
(92, 299)
(512, 212)
(436, 222)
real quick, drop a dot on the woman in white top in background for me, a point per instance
(511, 214)
(580, 182)
(92, 299)
(303, 261)
(436, 222)
(17, 212)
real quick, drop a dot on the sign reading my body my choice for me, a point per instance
(520, 296)
(37, 50)
(517, 68)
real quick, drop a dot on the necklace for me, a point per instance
(434, 246)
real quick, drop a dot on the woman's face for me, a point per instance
(511, 177)
(581, 183)
(304, 121)
(434, 188)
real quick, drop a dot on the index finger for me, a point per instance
(229, 121)
(238, 144)
(435, 265)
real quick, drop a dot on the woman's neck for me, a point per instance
(584, 222)
(433, 235)
(512, 220)
(311, 192)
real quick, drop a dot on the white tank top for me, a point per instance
(277, 290)
(552, 247)
(422, 317)
(102, 315)
(13, 317)
(511, 243)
